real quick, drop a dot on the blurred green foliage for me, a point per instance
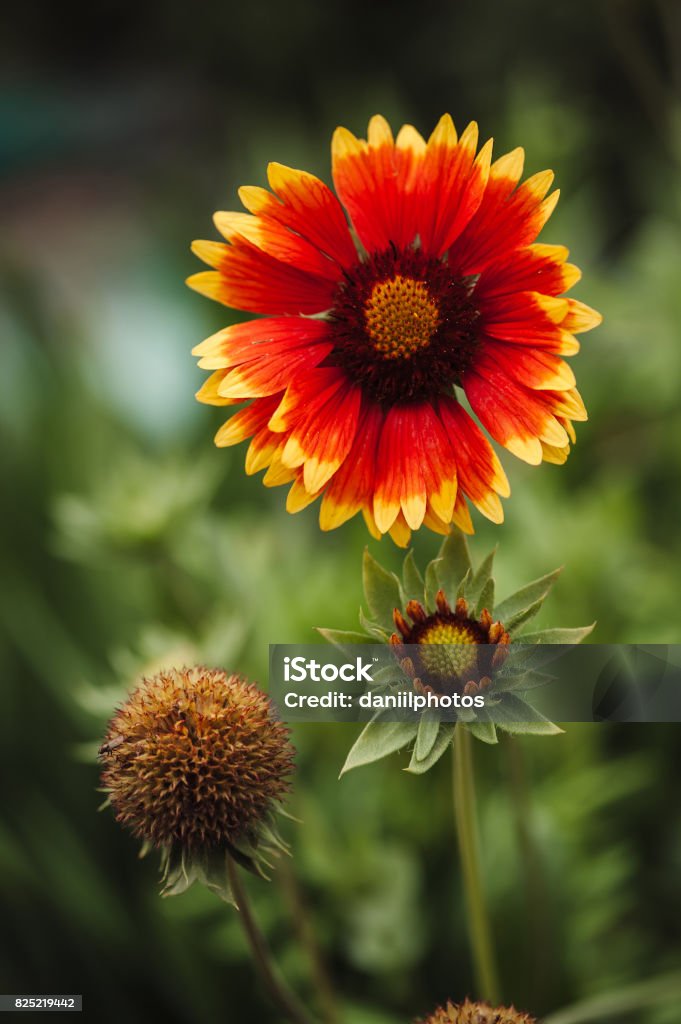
(127, 540)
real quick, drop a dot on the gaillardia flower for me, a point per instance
(476, 1013)
(373, 330)
(197, 765)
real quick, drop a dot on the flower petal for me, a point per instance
(246, 422)
(376, 182)
(536, 268)
(508, 218)
(533, 367)
(248, 278)
(322, 438)
(400, 481)
(351, 487)
(307, 206)
(451, 184)
(304, 394)
(208, 392)
(258, 339)
(272, 373)
(525, 318)
(581, 317)
(262, 449)
(276, 240)
(461, 516)
(516, 417)
(481, 476)
(299, 497)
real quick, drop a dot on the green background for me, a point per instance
(128, 540)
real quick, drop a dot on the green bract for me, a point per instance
(450, 578)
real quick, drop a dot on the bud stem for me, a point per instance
(279, 992)
(469, 849)
(540, 937)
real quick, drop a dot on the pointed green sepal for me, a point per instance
(344, 638)
(429, 725)
(379, 739)
(376, 632)
(480, 580)
(382, 591)
(454, 561)
(486, 598)
(486, 732)
(443, 741)
(432, 583)
(515, 715)
(528, 680)
(412, 581)
(526, 602)
(557, 636)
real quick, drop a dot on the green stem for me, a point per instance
(279, 992)
(307, 938)
(469, 848)
(536, 894)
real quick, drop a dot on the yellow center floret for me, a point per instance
(454, 652)
(400, 317)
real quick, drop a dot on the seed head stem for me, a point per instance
(279, 992)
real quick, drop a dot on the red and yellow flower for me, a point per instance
(371, 331)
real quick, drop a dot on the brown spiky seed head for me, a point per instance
(196, 758)
(477, 1013)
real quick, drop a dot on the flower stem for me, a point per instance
(469, 848)
(539, 931)
(279, 992)
(306, 936)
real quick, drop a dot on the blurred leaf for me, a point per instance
(625, 1000)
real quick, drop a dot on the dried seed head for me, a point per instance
(477, 1013)
(196, 760)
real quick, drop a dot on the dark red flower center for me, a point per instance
(404, 327)
(448, 650)
(448, 645)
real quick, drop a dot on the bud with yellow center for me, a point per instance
(452, 639)
(449, 650)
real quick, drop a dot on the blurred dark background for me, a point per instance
(127, 540)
